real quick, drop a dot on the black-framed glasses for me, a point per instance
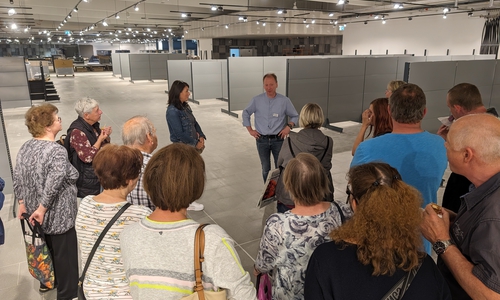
(349, 193)
(59, 119)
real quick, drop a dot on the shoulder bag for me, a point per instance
(81, 295)
(399, 289)
(199, 292)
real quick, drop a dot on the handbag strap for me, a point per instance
(199, 248)
(403, 284)
(36, 230)
(101, 236)
(342, 217)
(290, 146)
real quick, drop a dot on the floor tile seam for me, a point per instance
(248, 242)
(247, 254)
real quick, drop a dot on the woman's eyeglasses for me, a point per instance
(349, 193)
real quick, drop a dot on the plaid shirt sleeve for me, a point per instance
(138, 195)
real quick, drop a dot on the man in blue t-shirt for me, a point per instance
(419, 156)
(271, 110)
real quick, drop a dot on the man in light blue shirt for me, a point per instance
(419, 156)
(271, 110)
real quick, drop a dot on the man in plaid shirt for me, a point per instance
(138, 132)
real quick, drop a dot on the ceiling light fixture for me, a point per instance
(213, 8)
(280, 11)
(444, 16)
(65, 21)
(313, 21)
(220, 8)
(202, 29)
(117, 16)
(257, 22)
(446, 10)
(470, 14)
(11, 12)
(279, 24)
(307, 26)
(13, 26)
(136, 7)
(240, 19)
(366, 22)
(264, 24)
(330, 14)
(376, 17)
(227, 26)
(104, 23)
(69, 16)
(305, 20)
(85, 0)
(410, 18)
(336, 22)
(383, 21)
(75, 9)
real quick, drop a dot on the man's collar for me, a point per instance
(484, 190)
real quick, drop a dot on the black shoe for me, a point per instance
(43, 288)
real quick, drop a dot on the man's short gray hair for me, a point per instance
(478, 135)
(136, 129)
(85, 106)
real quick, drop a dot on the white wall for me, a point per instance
(459, 33)
(205, 45)
(134, 48)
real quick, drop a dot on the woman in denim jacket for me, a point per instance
(182, 124)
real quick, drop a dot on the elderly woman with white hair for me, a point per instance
(84, 139)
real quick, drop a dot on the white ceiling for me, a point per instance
(160, 16)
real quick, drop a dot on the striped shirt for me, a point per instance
(158, 259)
(105, 278)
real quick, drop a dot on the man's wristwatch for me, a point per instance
(441, 246)
(289, 125)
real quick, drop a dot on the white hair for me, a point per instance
(85, 106)
(136, 129)
(481, 133)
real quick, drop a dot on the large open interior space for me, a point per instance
(341, 55)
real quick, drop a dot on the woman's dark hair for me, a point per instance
(174, 93)
(383, 121)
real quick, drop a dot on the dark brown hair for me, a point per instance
(175, 177)
(407, 104)
(465, 95)
(385, 225)
(383, 121)
(174, 93)
(39, 117)
(114, 165)
(306, 180)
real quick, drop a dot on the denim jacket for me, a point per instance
(180, 127)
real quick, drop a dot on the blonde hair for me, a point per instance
(306, 180)
(385, 226)
(394, 85)
(311, 116)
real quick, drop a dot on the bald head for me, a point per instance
(139, 131)
(479, 132)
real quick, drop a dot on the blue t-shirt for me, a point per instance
(420, 158)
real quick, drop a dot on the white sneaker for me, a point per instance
(196, 206)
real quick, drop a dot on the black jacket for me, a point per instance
(87, 183)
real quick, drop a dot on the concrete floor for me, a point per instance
(234, 180)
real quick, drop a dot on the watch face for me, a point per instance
(439, 247)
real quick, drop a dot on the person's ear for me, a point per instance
(467, 154)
